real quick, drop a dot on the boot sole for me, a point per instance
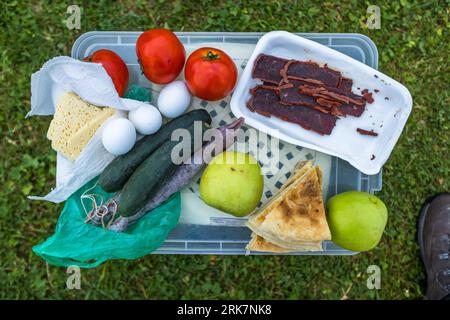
(422, 216)
(420, 226)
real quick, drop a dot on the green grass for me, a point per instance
(413, 44)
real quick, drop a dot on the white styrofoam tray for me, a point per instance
(387, 115)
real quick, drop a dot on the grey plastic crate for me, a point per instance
(202, 239)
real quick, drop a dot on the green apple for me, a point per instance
(356, 220)
(232, 183)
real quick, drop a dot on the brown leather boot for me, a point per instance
(434, 241)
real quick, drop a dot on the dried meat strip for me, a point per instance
(265, 101)
(346, 84)
(267, 68)
(342, 109)
(311, 70)
(322, 109)
(367, 132)
(328, 103)
(352, 110)
(368, 97)
(269, 84)
(290, 95)
(270, 91)
(335, 111)
(303, 80)
(332, 94)
(323, 89)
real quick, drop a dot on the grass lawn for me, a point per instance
(413, 44)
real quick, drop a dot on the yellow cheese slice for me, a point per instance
(74, 123)
(77, 142)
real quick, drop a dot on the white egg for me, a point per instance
(174, 99)
(146, 119)
(119, 136)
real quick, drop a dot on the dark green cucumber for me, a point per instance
(147, 178)
(116, 174)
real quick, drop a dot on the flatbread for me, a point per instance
(258, 243)
(295, 217)
(300, 169)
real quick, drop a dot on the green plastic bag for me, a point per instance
(87, 246)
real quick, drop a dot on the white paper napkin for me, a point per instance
(91, 82)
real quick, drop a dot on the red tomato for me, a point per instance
(210, 74)
(160, 54)
(114, 66)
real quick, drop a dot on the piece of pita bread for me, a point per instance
(258, 243)
(300, 169)
(295, 217)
